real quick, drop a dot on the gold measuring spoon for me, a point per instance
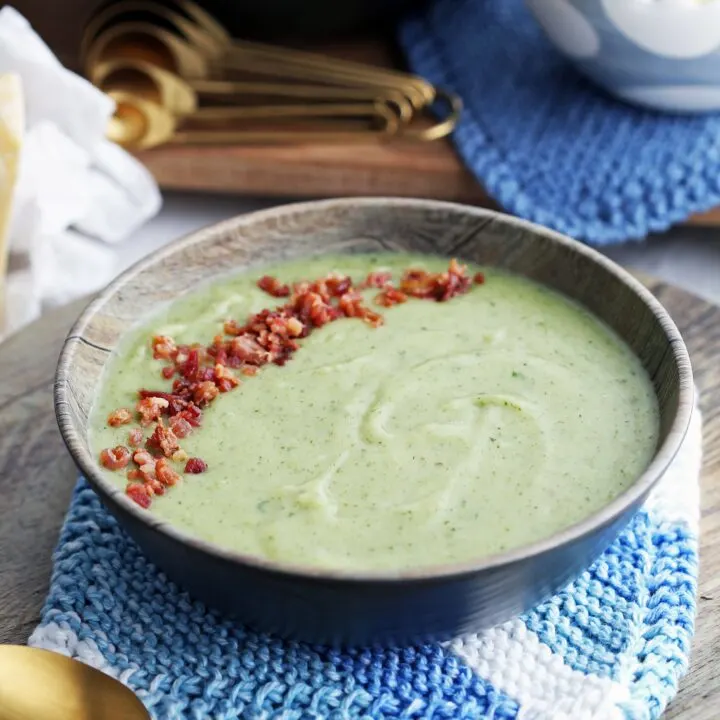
(150, 12)
(219, 48)
(181, 97)
(42, 685)
(145, 43)
(149, 43)
(141, 124)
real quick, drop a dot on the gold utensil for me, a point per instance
(141, 124)
(181, 97)
(149, 43)
(201, 33)
(145, 45)
(159, 46)
(175, 54)
(42, 685)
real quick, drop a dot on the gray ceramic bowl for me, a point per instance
(384, 607)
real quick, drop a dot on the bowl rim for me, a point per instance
(609, 513)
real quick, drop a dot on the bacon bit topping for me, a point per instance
(351, 305)
(135, 437)
(232, 328)
(154, 487)
(205, 393)
(310, 307)
(189, 368)
(163, 440)
(333, 285)
(115, 458)
(337, 284)
(165, 474)
(390, 296)
(224, 379)
(200, 374)
(151, 408)
(142, 457)
(195, 466)
(180, 425)
(147, 472)
(139, 494)
(248, 350)
(164, 348)
(377, 279)
(193, 414)
(176, 401)
(121, 416)
(436, 286)
(272, 286)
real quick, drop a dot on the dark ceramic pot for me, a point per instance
(380, 607)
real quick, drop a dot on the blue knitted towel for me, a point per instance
(611, 646)
(548, 145)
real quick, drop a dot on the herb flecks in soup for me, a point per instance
(378, 431)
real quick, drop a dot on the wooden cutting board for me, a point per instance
(398, 168)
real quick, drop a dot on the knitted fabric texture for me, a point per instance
(547, 144)
(611, 646)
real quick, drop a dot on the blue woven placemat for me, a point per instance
(548, 145)
(612, 645)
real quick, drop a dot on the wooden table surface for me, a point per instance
(37, 476)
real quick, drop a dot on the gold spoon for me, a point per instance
(181, 97)
(140, 124)
(223, 52)
(146, 43)
(42, 685)
(149, 43)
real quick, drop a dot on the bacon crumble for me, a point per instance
(164, 348)
(121, 416)
(272, 286)
(200, 374)
(377, 279)
(195, 466)
(164, 440)
(150, 409)
(436, 286)
(390, 296)
(139, 494)
(135, 437)
(165, 474)
(115, 458)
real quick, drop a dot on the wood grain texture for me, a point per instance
(400, 168)
(36, 478)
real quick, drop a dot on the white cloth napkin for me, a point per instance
(77, 193)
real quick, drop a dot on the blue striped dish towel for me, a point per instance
(546, 143)
(611, 646)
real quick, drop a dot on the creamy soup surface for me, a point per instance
(455, 430)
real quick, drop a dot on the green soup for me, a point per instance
(455, 430)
